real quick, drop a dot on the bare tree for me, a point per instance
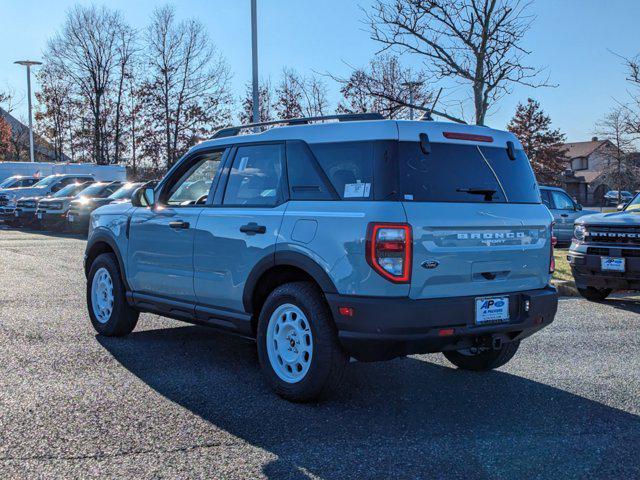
(619, 170)
(381, 88)
(53, 107)
(632, 111)
(476, 42)
(266, 104)
(299, 96)
(188, 80)
(86, 51)
(126, 50)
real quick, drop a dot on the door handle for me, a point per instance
(564, 215)
(253, 228)
(179, 224)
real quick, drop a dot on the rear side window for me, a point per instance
(306, 179)
(349, 167)
(465, 173)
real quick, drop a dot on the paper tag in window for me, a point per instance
(357, 190)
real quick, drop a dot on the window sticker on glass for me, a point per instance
(357, 190)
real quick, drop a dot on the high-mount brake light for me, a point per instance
(468, 136)
(389, 250)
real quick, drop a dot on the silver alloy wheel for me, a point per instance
(289, 343)
(102, 295)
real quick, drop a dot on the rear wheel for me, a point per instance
(482, 359)
(298, 346)
(109, 311)
(594, 294)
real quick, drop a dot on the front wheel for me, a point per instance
(482, 359)
(109, 311)
(594, 294)
(298, 346)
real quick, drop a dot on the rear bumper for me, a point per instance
(383, 328)
(51, 219)
(587, 271)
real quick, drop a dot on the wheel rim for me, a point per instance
(102, 295)
(289, 343)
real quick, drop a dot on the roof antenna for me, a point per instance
(427, 114)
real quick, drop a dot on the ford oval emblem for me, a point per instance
(429, 264)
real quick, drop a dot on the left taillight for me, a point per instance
(552, 260)
(389, 250)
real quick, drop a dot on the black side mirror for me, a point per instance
(578, 207)
(511, 150)
(425, 145)
(143, 197)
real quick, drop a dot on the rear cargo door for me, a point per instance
(479, 227)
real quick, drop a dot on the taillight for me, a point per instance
(552, 260)
(389, 250)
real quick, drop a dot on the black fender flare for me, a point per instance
(105, 236)
(285, 258)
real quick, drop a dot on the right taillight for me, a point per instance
(389, 250)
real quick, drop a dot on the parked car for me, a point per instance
(51, 212)
(17, 181)
(565, 211)
(605, 253)
(361, 238)
(613, 197)
(81, 207)
(7, 199)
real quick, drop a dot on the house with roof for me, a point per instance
(43, 151)
(586, 174)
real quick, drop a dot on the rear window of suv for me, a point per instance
(465, 173)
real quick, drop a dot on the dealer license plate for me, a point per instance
(39, 215)
(16, 214)
(70, 218)
(612, 264)
(492, 310)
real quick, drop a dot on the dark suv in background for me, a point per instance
(81, 207)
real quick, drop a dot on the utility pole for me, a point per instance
(28, 64)
(254, 61)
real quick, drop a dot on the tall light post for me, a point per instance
(29, 64)
(411, 86)
(254, 61)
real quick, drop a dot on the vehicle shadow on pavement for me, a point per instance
(46, 233)
(407, 418)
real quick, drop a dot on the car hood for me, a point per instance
(612, 218)
(49, 200)
(22, 192)
(114, 208)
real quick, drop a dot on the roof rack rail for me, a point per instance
(347, 117)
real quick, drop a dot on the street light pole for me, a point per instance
(254, 61)
(411, 86)
(28, 64)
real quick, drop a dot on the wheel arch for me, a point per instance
(103, 243)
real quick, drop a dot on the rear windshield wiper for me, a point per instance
(487, 192)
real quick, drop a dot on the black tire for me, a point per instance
(594, 294)
(328, 360)
(123, 318)
(483, 360)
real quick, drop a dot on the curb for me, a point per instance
(566, 289)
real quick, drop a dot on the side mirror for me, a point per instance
(578, 207)
(143, 197)
(621, 206)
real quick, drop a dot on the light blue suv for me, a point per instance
(362, 238)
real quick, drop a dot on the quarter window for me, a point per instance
(255, 177)
(306, 180)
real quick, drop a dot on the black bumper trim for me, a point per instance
(383, 327)
(587, 271)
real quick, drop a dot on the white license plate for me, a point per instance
(612, 264)
(16, 214)
(70, 218)
(39, 215)
(492, 310)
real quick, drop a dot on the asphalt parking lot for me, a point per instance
(177, 401)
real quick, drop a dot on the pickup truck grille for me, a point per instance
(26, 203)
(614, 235)
(606, 252)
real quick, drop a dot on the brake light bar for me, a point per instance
(468, 136)
(388, 250)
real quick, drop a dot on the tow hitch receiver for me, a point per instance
(496, 343)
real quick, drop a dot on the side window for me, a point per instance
(349, 166)
(62, 183)
(306, 180)
(562, 201)
(546, 199)
(194, 185)
(112, 188)
(255, 177)
(27, 182)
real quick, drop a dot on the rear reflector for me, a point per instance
(346, 311)
(467, 136)
(445, 332)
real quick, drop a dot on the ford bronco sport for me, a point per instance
(360, 238)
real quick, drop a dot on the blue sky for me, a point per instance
(572, 38)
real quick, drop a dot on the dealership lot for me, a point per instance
(173, 400)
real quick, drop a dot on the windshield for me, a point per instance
(93, 191)
(45, 182)
(633, 204)
(465, 173)
(7, 182)
(125, 191)
(69, 190)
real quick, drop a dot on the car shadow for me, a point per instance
(407, 418)
(47, 233)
